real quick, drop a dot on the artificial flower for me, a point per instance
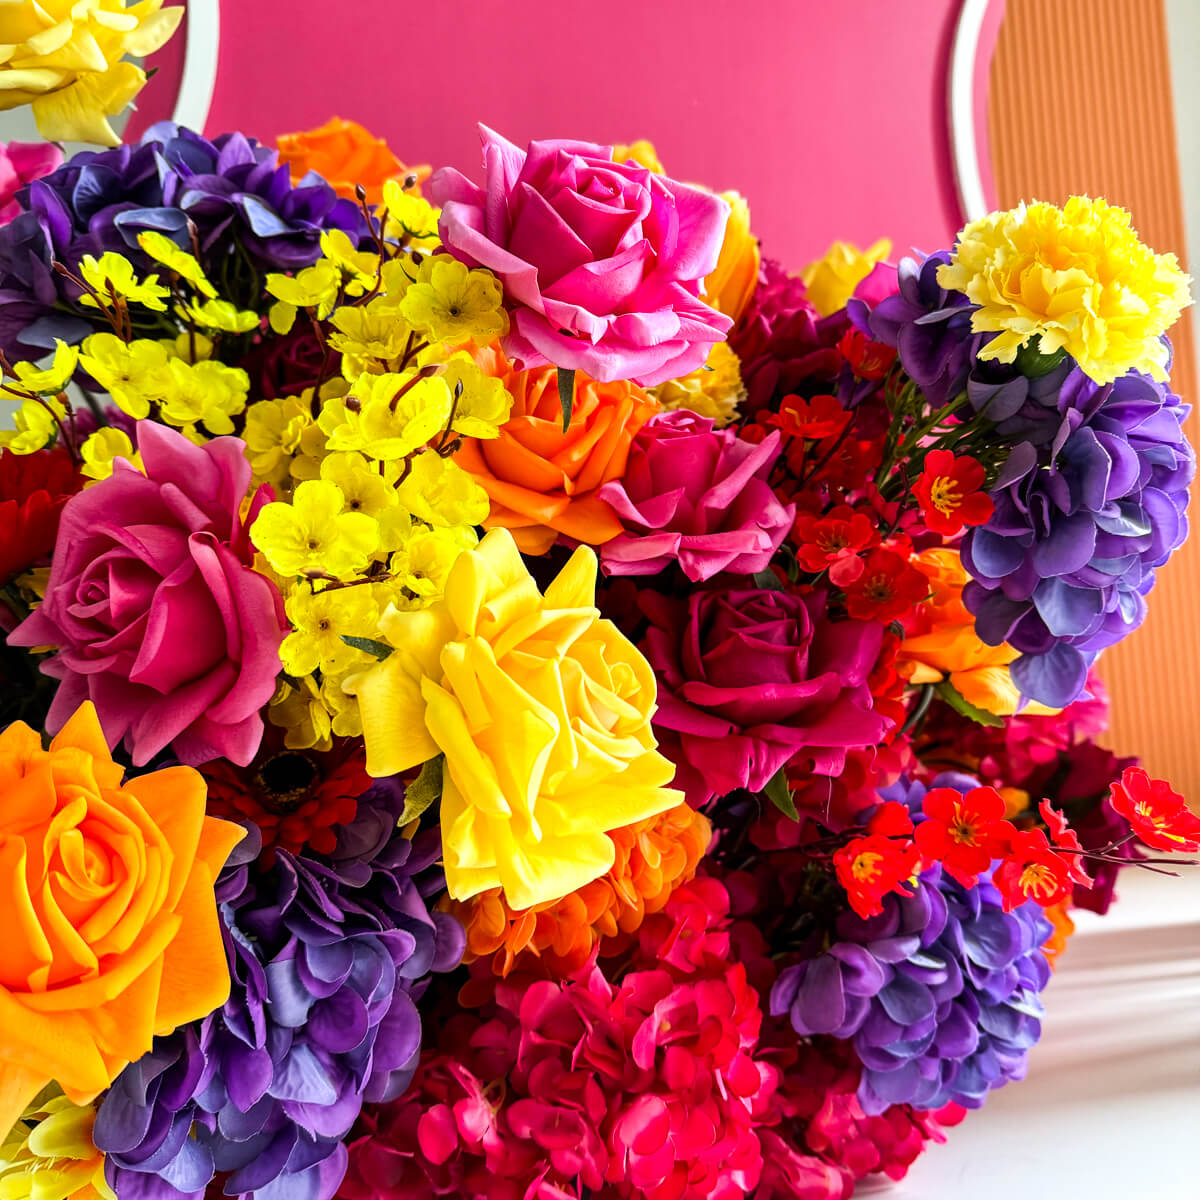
(20, 164)
(871, 867)
(451, 303)
(834, 542)
(1075, 278)
(80, 997)
(33, 490)
(830, 280)
(67, 60)
(714, 390)
(512, 686)
(543, 480)
(1155, 811)
(1032, 871)
(948, 491)
(160, 561)
(887, 588)
(345, 154)
(731, 283)
(315, 532)
(102, 450)
(135, 374)
(49, 1153)
(111, 277)
(596, 286)
(697, 496)
(963, 831)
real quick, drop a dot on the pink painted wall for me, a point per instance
(829, 115)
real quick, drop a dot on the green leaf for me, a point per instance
(423, 791)
(379, 649)
(566, 394)
(952, 696)
(767, 580)
(779, 794)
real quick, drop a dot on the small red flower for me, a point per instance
(891, 819)
(948, 492)
(33, 490)
(867, 359)
(834, 542)
(1067, 839)
(1155, 811)
(871, 867)
(963, 832)
(820, 417)
(887, 588)
(1032, 871)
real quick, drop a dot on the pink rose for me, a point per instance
(157, 614)
(748, 679)
(21, 163)
(602, 262)
(697, 495)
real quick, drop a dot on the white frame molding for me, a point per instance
(964, 146)
(199, 77)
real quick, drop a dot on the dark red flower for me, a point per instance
(963, 832)
(867, 359)
(1155, 811)
(887, 588)
(33, 490)
(871, 867)
(296, 797)
(1032, 871)
(834, 542)
(948, 492)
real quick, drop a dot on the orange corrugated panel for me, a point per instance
(1080, 102)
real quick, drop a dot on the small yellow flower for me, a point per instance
(112, 274)
(315, 533)
(714, 390)
(34, 426)
(831, 280)
(102, 449)
(452, 302)
(314, 288)
(183, 264)
(1076, 278)
(134, 375)
(51, 380)
(364, 488)
(303, 714)
(342, 708)
(274, 429)
(397, 415)
(369, 332)
(483, 404)
(191, 346)
(427, 559)
(318, 621)
(360, 268)
(64, 57)
(439, 492)
(408, 217)
(221, 315)
(49, 1153)
(207, 393)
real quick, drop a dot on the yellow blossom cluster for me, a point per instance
(372, 509)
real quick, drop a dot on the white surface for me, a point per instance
(1111, 1107)
(963, 143)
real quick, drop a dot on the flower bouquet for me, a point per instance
(507, 695)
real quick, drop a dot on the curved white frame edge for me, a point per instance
(964, 148)
(199, 79)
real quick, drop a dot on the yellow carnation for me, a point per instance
(542, 710)
(1077, 279)
(64, 57)
(831, 280)
(714, 390)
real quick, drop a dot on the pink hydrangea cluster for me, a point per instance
(650, 1087)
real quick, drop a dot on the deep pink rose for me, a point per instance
(157, 614)
(21, 163)
(602, 262)
(747, 679)
(697, 495)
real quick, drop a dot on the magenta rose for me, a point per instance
(602, 262)
(157, 614)
(698, 496)
(21, 163)
(748, 679)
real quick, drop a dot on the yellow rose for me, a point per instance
(542, 710)
(64, 57)
(731, 285)
(831, 280)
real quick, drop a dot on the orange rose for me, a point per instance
(542, 481)
(345, 154)
(111, 933)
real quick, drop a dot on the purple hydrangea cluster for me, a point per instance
(247, 214)
(327, 959)
(939, 993)
(1086, 510)
(1090, 502)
